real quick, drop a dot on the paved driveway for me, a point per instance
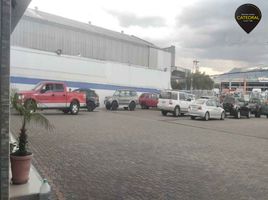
(143, 155)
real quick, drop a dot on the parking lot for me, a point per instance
(144, 155)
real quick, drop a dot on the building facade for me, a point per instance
(49, 47)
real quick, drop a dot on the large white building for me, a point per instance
(49, 47)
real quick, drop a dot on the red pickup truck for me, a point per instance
(52, 95)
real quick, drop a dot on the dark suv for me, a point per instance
(91, 97)
(255, 106)
(258, 107)
(236, 107)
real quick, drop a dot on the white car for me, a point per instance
(174, 102)
(206, 109)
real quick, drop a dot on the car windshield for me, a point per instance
(38, 87)
(165, 95)
(200, 101)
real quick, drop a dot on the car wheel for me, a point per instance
(164, 113)
(193, 117)
(238, 114)
(108, 106)
(114, 105)
(222, 115)
(206, 118)
(30, 105)
(74, 108)
(132, 106)
(176, 111)
(90, 106)
(66, 111)
(266, 116)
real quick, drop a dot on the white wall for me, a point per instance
(29, 63)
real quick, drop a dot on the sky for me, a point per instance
(203, 30)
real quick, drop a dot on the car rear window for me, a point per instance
(168, 95)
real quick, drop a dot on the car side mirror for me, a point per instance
(42, 91)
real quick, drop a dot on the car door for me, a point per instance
(45, 96)
(216, 110)
(124, 97)
(210, 108)
(59, 96)
(183, 102)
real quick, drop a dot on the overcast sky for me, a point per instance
(203, 30)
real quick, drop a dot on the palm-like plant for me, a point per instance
(27, 116)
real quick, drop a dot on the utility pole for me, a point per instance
(5, 24)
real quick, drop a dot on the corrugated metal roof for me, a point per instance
(39, 15)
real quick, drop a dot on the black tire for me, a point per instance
(132, 106)
(108, 105)
(90, 106)
(206, 117)
(222, 115)
(114, 105)
(176, 111)
(266, 116)
(74, 108)
(257, 114)
(66, 111)
(238, 114)
(164, 113)
(30, 105)
(193, 117)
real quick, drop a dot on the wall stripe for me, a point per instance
(98, 86)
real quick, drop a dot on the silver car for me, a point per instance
(127, 99)
(206, 109)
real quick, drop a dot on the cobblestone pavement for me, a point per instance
(143, 155)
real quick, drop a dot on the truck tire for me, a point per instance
(132, 106)
(74, 108)
(30, 105)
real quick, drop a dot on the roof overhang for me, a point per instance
(18, 7)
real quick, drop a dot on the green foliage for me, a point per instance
(28, 115)
(199, 81)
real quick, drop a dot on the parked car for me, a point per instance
(91, 97)
(206, 109)
(147, 100)
(127, 99)
(236, 106)
(52, 95)
(254, 105)
(262, 109)
(175, 102)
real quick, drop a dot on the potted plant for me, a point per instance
(21, 158)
